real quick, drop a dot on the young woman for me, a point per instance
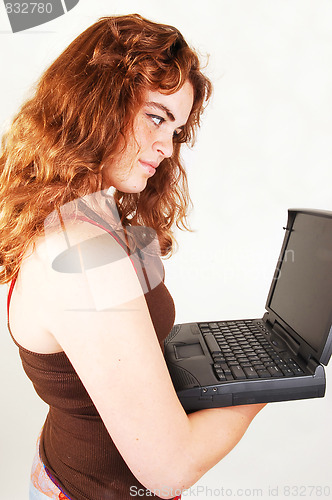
(91, 188)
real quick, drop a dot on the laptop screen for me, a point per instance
(302, 295)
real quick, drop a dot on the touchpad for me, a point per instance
(188, 350)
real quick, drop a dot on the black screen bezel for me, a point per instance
(305, 349)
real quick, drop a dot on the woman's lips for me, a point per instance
(150, 168)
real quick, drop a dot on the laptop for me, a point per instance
(278, 357)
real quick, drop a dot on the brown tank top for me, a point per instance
(75, 446)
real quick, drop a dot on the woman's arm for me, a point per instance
(101, 320)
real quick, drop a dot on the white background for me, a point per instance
(265, 146)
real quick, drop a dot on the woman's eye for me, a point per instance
(157, 120)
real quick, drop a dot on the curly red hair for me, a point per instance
(83, 106)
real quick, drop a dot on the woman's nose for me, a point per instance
(165, 145)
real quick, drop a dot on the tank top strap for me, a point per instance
(95, 223)
(111, 232)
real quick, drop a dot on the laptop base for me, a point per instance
(191, 364)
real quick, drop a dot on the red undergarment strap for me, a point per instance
(11, 288)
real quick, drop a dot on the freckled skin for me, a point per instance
(152, 140)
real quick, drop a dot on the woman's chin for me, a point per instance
(130, 188)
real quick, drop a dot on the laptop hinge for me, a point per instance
(312, 364)
(282, 334)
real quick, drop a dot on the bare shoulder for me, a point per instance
(72, 235)
(56, 275)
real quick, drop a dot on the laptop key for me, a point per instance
(217, 358)
(287, 371)
(245, 364)
(250, 372)
(220, 374)
(225, 367)
(241, 358)
(294, 366)
(263, 374)
(212, 344)
(253, 357)
(260, 351)
(275, 372)
(237, 372)
(258, 365)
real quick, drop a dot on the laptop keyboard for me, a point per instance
(241, 351)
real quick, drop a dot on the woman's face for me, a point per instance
(158, 120)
